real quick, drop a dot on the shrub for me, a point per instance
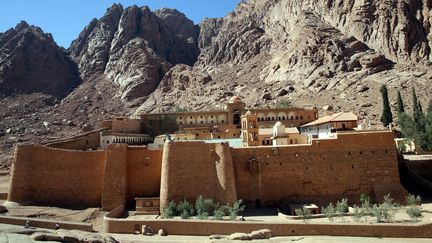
(329, 212)
(304, 212)
(415, 213)
(385, 212)
(203, 216)
(412, 200)
(235, 209)
(366, 210)
(204, 206)
(342, 208)
(364, 199)
(219, 213)
(170, 210)
(185, 209)
(357, 213)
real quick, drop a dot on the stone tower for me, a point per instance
(235, 108)
(249, 123)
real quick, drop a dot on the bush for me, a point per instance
(219, 213)
(412, 200)
(203, 216)
(304, 212)
(204, 206)
(357, 213)
(342, 208)
(185, 209)
(385, 212)
(366, 209)
(329, 212)
(170, 210)
(235, 209)
(415, 213)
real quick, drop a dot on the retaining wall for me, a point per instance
(205, 228)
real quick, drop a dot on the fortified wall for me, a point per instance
(322, 172)
(103, 178)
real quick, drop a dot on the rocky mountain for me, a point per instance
(135, 47)
(332, 54)
(31, 62)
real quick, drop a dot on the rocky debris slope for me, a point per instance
(31, 62)
(315, 53)
(135, 47)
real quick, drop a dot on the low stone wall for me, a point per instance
(47, 224)
(205, 227)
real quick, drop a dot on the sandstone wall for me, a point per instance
(90, 140)
(143, 173)
(320, 173)
(43, 175)
(190, 169)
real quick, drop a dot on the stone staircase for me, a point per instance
(147, 205)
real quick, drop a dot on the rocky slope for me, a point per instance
(135, 47)
(31, 62)
(333, 53)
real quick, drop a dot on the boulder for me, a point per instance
(367, 104)
(239, 236)
(327, 108)
(67, 236)
(147, 230)
(3, 209)
(260, 234)
(53, 237)
(38, 236)
(282, 92)
(161, 232)
(266, 96)
(362, 88)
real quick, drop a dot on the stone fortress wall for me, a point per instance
(321, 172)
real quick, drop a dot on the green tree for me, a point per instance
(418, 115)
(386, 117)
(400, 104)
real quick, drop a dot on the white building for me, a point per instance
(326, 126)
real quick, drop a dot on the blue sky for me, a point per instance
(65, 19)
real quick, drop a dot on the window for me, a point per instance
(191, 122)
(180, 118)
(190, 117)
(202, 122)
(222, 121)
(180, 123)
(301, 117)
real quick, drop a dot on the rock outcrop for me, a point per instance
(135, 47)
(31, 62)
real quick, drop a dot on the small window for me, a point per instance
(222, 121)
(201, 116)
(190, 117)
(180, 118)
(180, 123)
(202, 122)
(191, 122)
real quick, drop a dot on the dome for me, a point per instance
(278, 124)
(235, 99)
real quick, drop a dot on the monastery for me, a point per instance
(265, 157)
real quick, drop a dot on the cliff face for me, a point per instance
(311, 52)
(135, 47)
(31, 62)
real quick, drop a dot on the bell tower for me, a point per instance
(235, 108)
(249, 123)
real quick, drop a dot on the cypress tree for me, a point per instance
(400, 105)
(386, 117)
(418, 115)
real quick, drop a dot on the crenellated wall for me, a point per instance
(322, 172)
